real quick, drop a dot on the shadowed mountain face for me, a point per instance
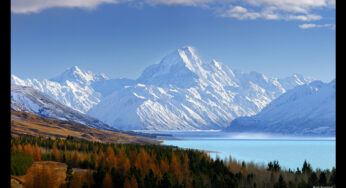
(305, 110)
(179, 93)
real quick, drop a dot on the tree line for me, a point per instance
(144, 166)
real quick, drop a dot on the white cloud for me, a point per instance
(299, 10)
(297, 6)
(179, 2)
(241, 13)
(35, 6)
(306, 17)
(309, 26)
(270, 13)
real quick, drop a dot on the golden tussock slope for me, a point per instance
(23, 123)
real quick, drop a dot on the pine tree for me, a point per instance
(243, 168)
(306, 169)
(281, 183)
(323, 179)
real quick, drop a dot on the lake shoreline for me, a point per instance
(290, 153)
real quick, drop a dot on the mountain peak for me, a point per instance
(180, 67)
(187, 49)
(75, 74)
(185, 55)
(75, 69)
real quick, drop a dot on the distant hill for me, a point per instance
(23, 123)
(305, 110)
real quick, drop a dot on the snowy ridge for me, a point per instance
(72, 88)
(304, 110)
(27, 99)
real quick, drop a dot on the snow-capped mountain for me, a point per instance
(72, 88)
(27, 99)
(183, 93)
(179, 93)
(304, 110)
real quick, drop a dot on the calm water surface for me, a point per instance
(290, 153)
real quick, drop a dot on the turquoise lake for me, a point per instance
(290, 153)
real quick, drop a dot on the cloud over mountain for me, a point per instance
(243, 10)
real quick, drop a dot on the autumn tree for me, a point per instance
(42, 177)
(164, 165)
(28, 150)
(75, 159)
(131, 182)
(14, 148)
(122, 162)
(37, 153)
(19, 148)
(175, 167)
(127, 183)
(56, 152)
(107, 181)
(111, 162)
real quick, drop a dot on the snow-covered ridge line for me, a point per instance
(307, 110)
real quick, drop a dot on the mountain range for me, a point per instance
(179, 93)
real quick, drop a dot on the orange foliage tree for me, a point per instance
(107, 181)
(56, 152)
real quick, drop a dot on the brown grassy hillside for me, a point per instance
(23, 123)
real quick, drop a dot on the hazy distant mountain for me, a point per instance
(304, 110)
(183, 93)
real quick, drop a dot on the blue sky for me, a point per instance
(121, 38)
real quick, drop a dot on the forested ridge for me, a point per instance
(144, 166)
